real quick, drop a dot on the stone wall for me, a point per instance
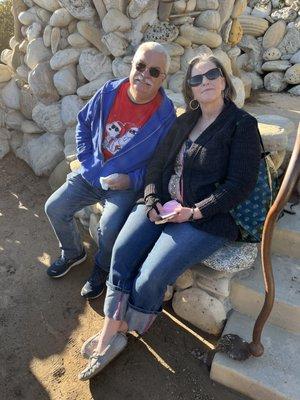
(270, 45)
(62, 51)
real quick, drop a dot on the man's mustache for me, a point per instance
(144, 80)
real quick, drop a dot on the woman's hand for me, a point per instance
(184, 214)
(153, 215)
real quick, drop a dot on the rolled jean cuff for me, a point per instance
(116, 302)
(139, 321)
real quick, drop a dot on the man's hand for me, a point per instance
(152, 215)
(121, 182)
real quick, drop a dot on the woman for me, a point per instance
(209, 163)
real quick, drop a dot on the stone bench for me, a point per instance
(201, 293)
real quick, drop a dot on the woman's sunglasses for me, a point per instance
(211, 75)
(153, 71)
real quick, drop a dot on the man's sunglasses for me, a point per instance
(211, 75)
(153, 71)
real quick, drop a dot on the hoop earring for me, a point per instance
(194, 104)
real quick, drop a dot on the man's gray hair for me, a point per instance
(158, 48)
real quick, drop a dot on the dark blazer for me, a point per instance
(220, 168)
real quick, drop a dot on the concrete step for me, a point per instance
(247, 293)
(273, 376)
(286, 239)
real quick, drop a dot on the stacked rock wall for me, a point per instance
(270, 45)
(62, 51)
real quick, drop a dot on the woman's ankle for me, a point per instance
(107, 335)
(104, 341)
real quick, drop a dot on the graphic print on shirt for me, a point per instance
(125, 120)
(117, 134)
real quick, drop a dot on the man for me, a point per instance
(117, 133)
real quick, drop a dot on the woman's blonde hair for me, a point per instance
(229, 91)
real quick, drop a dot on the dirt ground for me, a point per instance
(43, 322)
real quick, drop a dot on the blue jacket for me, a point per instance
(132, 159)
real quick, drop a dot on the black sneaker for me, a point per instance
(95, 285)
(62, 266)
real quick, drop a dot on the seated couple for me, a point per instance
(202, 165)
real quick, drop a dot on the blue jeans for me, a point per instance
(71, 197)
(145, 259)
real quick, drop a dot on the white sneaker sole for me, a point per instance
(92, 297)
(70, 267)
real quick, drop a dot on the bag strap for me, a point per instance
(265, 155)
(264, 152)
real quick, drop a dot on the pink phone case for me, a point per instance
(168, 208)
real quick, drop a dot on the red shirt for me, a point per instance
(124, 120)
